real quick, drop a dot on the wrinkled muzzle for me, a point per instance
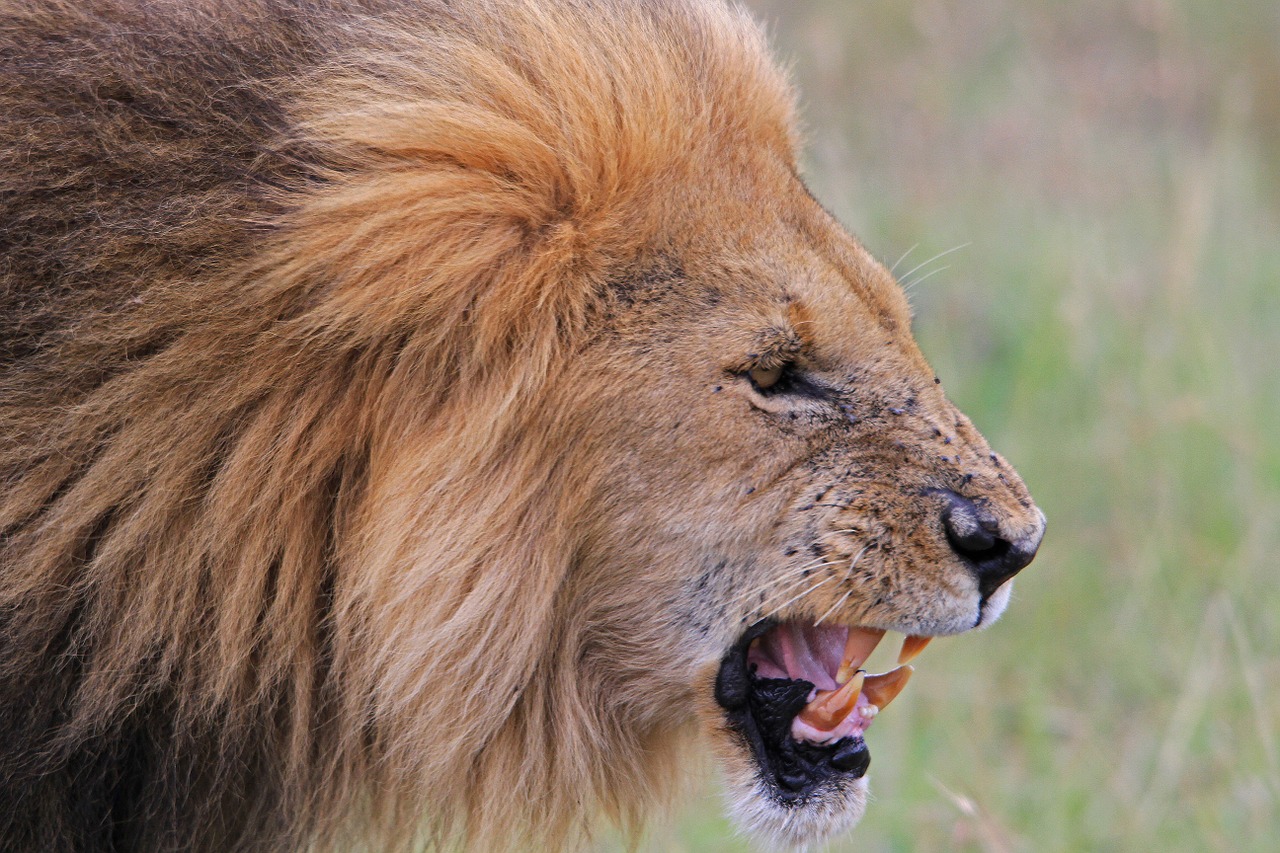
(793, 704)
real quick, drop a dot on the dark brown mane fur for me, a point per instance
(262, 265)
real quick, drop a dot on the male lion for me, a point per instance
(422, 419)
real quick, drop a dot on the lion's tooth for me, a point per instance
(830, 707)
(912, 646)
(857, 648)
(884, 688)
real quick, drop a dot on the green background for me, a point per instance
(1112, 324)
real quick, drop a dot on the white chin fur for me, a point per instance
(995, 605)
(773, 826)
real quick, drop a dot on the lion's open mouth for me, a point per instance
(797, 695)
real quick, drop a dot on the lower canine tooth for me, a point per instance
(830, 707)
(884, 688)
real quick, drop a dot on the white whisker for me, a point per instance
(903, 258)
(763, 607)
(907, 287)
(847, 575)
(795, 582)
(765, 587)
(801, 595)
(853, 564)
(834, 607)
(906, 275)
(793, 575)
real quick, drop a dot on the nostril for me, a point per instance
(969, 540)
(969, 530)
(973, 534)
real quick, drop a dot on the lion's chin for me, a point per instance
(778, 826)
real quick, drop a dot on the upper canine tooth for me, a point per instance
(912, 646)
(884, 688)
(857, 648)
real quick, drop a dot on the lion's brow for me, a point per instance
(776, 342)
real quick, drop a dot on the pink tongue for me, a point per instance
(794, 651)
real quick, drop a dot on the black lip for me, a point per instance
(760, 710)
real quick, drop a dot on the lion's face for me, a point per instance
(782, 466)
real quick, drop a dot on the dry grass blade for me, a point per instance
(984, 829)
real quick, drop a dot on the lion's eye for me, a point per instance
(765, 378)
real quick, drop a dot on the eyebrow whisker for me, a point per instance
(907, 274)
(903, 258)
(910, 284)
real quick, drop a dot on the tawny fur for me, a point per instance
(359, 476)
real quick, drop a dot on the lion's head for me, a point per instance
(776, 479)
(519, 417)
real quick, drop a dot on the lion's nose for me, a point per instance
(974, 534)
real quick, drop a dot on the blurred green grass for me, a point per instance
(1113, 326)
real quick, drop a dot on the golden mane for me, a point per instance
(281, 534)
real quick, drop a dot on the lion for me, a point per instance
(432, 422)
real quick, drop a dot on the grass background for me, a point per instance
(1113, 325)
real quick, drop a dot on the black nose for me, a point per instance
(974, 534)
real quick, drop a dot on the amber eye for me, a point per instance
(765, 378)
